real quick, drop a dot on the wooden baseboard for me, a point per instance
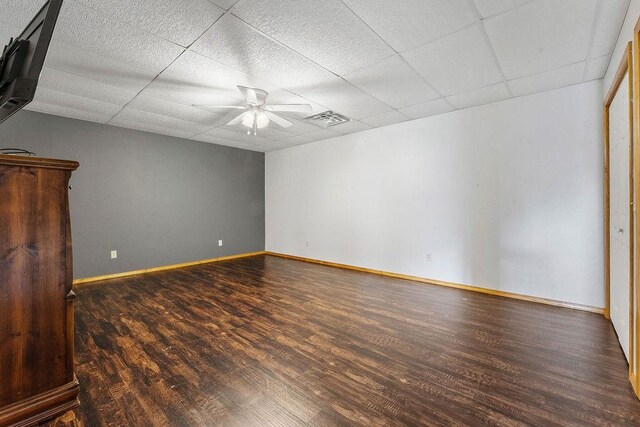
(164, 267)
(41, 407)
(634, 384)
(488, 291)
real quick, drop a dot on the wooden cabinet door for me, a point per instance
(34, 281)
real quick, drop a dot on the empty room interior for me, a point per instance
(319, 213)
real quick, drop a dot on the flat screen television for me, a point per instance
(22, 60)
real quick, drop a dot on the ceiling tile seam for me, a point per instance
(466, 27)
(487, 41)
(399, 55)
(128, 24)
(368, 26)
(239, 71)
(229, 8)
(608, 56)
(284, 45)
(546, 71)
(619, 34)
(363, 91)
(276, 85)
(186, 121)
(443, 98)
(308, 59)
(477, 89)
(151, 125)
(399, 112)
(208, 28)
(548, 90)
(85, 78)
(148, 84)
(212, 137)
(441, 95)
(75, 94)
(592, 36)
(552, 69)
(71, 108)
(274, 41)
(508, 10)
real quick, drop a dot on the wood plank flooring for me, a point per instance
(269, 341)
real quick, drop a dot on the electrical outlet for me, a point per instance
(219, 242)
(306, 243)
(114, 254)
(429, 258)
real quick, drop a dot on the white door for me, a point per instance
(619, 138)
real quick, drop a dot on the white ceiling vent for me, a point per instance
(328, 118)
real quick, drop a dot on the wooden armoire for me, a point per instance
(37, 381)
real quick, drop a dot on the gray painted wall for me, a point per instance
(157, 200)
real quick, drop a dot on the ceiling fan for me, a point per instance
(257, 113)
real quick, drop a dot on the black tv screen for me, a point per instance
(23, 58)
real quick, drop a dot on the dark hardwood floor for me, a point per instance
(269, 341)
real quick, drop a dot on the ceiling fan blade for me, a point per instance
(295, 108)
(236, 120)
(277, 119)
(237, 107)
(253, 96)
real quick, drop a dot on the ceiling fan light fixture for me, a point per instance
(261, 119)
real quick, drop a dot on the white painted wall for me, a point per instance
(506, 196)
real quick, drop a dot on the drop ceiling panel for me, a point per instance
(406, 24)
(160, 121)
(91, 30)
(608, 23)
(234, 135)
(596, 68)
(219, 141)
(457, 63)
(273, 132)
(237, 45)
(350, 127)
(493, 7)
(195, 79)
(322, 134)
(300, 127)
(225, 4)
(148, 127)
(68, 100)
(281, 96)
(555, 79)
(15, 16)
(178, 111)
(326, 32)
(73, 113)
(347, 99)
(542, 35)
(119, 53)
(231, 144)
(485, 95)
(385, 119)
(96, 67)
(297, 140)
(81, 86)
(178, 21)
(394, 82)
(427, 109)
